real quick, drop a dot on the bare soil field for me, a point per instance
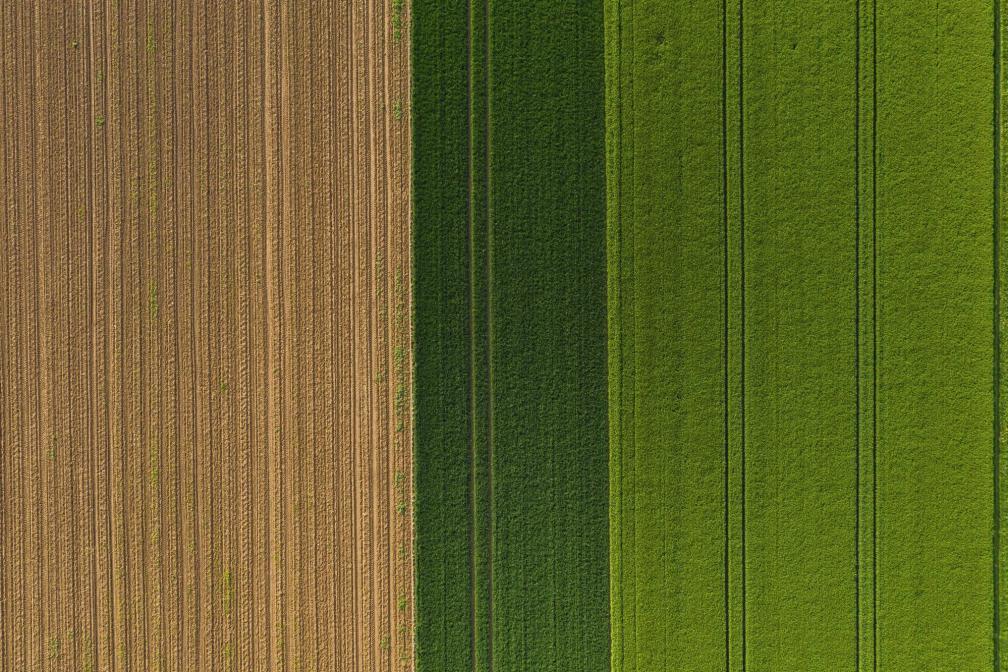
(205, 452)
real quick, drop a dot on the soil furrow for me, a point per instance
(205, 447)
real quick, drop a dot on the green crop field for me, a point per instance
(511, 439)
(784, 222)
(803, 287)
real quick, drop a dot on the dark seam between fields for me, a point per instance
(742, 435)
(997, 335)
(628, 509)
(142, 398)
(620, 314)
(857, 335)
(724, 282)
(470, 214)
(874, 215)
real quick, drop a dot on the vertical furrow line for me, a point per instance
(96, 303)
(10, 607)
(404, 320)
(311, 591)
(1000, 463)
(380, 302)
(232, 342)
(614, 238)
(874, 248)
(732, 110)
(996, 318)
(287, 240)
(106, 656)
(21, 576)
(42, 508)
(156, 375)
(363, 300)
(212, 325)
(347, 210)
(196, 426)
(358, 36)
(725, 353)
(628, 386)
(321, 424)
(7, 628)
(285, 343)
(95, 261)
(864, 341)
(130, 370)
(35, 375)
(253, 88)
(288, 336)
(307, 519)
(7, 529)
(208, 321)
(857, 335)
(141, 147)
(742, 288)
(24, 578)
(474, 606)
(271, 340)
(175, 426)
(118, 353)
(375, 214)
(359, 664)
(380, 493)
(332, 480)
(56, 408)
(171, 615)
(244, 594)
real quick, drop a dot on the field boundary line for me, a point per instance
(742, 410)
(857, 340)
(996, 559)
(866, 313)
(874, 219)
(725, 318)
(613, 51)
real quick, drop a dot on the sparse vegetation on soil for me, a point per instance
(206, 268)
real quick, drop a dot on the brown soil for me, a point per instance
(205, 454)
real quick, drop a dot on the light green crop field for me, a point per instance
(804, 242)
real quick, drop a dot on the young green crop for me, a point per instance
(510, 337)
(804, 241)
